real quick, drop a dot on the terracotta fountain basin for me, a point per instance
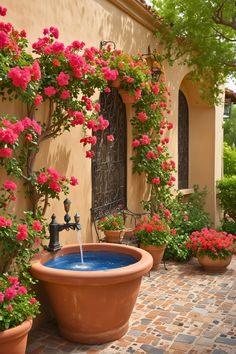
(93, 307)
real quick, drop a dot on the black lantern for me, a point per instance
(104, 43)
(151, 60)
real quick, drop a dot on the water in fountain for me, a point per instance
(94, 260)
(79, 239)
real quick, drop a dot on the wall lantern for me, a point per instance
(152, 61)
(104, 44)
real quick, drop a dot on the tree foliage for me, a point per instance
(203, 34)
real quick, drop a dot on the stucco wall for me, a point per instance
(93, 21)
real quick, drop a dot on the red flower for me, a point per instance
(73, 181)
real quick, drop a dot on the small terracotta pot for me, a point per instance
(14, 340)
(113, 235)
(127, 97)
(216, 266)
(157, 253)
(116, 83)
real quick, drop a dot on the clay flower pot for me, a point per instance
(214, 265)
(93, 307)
(116, 83)
(14, 340)
(157, 253)
(127, 97)
(113, 235)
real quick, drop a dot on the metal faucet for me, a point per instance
(55, 228)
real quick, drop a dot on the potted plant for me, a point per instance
(213, 249)
(112, 227)
(153, 234)
(17, 308)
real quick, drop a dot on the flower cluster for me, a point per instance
(214, 244)
(50, 182)
(16, 302)
(152, 230)
(112, 222)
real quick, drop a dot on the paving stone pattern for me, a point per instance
(179, 310)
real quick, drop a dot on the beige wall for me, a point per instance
(93, 21)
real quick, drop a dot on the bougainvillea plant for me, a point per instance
(63, 78)
(214, 244)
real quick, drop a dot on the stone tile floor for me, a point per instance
(179, 310)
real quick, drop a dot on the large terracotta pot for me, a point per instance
(93, 307)
(157, 253)
(113, 235)
(14, 340)
(214, 265)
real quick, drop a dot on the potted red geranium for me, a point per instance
(112, 227)
(153, 234)
(213, 249)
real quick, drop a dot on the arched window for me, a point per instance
(183, 142)
(109, 171)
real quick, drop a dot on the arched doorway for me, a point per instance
(109, 171)
(183, 142)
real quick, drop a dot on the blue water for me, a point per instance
(92, 261)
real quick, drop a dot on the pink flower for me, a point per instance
(142, 117)
(63, 79)
(20, 77)
(37, 225)
(5, 152)
(4, 40)
(32, 300)
(1, 297)
(89, 154)
(10, 293)
(156, 180)
(97, 107)
(110, 138)
(50, 91)
(3, 11)
(135, 143)
(5, 222)
(150, 155)
(28, 138)
(58, 47)
(38, 99)
(79, 118)
(55, 62)
(53, 174)
(145, 140)
(107, 90)
(54, 31)
(138, 94)
(110, 74)
(23, 232)
(9, 185)
(35, 71)
(55, 186)
(155, 89)
(185, 217)
(36, 127)
(42, 178)
(91, 124)
(170, 126)
(65, 94)
(9, 308)
(73, 181)
(22, 290)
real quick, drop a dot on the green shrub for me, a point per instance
(227, 196)
(229, 160)
(186, 217)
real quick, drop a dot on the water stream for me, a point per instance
(79, 239)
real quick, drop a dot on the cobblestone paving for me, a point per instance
(179, 310)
